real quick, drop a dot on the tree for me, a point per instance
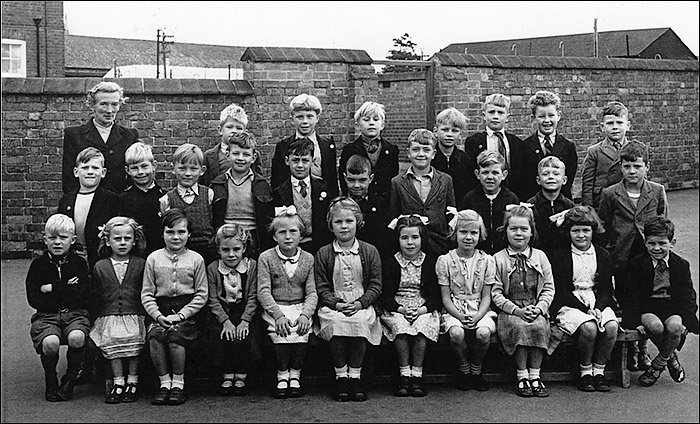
(405, 49)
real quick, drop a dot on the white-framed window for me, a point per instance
(14, 58)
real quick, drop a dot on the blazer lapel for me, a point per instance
(644, 197)
(435, 187)
(408, 188)
(609, 150)
(558, 147)
(624, 200)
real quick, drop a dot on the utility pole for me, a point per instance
(158, 53)
(37, 22)
(165, 49)
(595, 33)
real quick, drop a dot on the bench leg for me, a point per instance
(624, 372)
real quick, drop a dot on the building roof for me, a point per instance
(610, 44)
(83, 52)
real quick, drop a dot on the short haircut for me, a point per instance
(497, 99)
(357, 164)
(234, 112)
(88, 154)
(274, 224)
(659, 226)
(550, 162)
(305, 102)
(615, 108)
(370, 109)
(230, 231)
(139, 238)
(244, 140)
(188, 153)
(172, 216)
(105, 87)
(543, 98)
(520, 211)
(139, 152)
(59, 223)
(633, 150)
(469, 217)
(452, 117)
(300, 147)
(490, 157)
(344, 203)
(583, 215)
(412, 221)
(422, 136)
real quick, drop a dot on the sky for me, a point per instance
(372, 26)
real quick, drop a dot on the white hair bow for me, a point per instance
(392, 224)
(513, 206)
(453, 211)
(286, 210)
(558, 218)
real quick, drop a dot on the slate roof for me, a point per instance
(100, 52)
(610, 44)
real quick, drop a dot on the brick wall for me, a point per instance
(403, 97)
(661, 95)
(18, 24)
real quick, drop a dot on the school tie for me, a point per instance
(302, 188)
(617, 145)
(547, 145)
(660, 268)
(501, 146)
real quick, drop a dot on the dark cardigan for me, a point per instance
(111, 297)
(391, 278)
(46, 270)
(371, 275)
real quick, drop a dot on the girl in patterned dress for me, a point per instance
(410, 300)
(523, 291)
(175, 289)
(119, 331)
(349, 282)
(583, 303)
(466, 275)
(287, 294)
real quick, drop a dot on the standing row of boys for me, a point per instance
(139, 266)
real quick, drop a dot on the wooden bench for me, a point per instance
(380, 364)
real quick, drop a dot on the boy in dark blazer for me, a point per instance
(424, 190)
(309, 196)
(383, 156)
(450, 124)
(495, 137)
(662, 302)
(304, 110)
(547, 141)
(102, 133)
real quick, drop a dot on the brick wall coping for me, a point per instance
(556, 62)
(299, 54)
(132, 86)
(402, 76)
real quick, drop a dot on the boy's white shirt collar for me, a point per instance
(490, 132)
(311, 136)
(150, 186)
(654, 262)
(98, 126)
(229, 174)
(412, 172)
(183, 190)
(552, 137)
(295, 181)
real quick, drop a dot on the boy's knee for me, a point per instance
(483, 335)
(456, 334)
(50, 345)
(654, 328)
(76, 339)
(674, 327)
(611, 329)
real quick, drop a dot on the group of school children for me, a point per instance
(446, 247)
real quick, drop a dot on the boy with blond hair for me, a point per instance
(496, 111)
(425, 191)
(192, 198)
(383, 155)
(243, 196)
(450, 126)
(601, 166)
(547, 141)
(142, 199)
(550, 201)
(304, 111)
(57, 287)
(232, 120)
